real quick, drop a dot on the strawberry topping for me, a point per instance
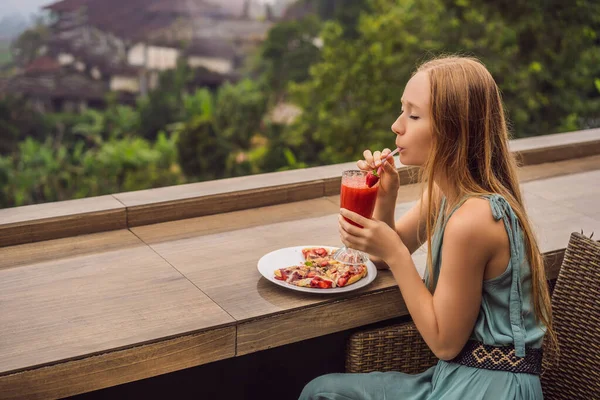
(372, 178)
(320, 283)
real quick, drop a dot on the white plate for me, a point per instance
(292, 256)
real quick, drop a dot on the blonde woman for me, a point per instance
(483, 307)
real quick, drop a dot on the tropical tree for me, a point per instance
(353, 95)
(286, 55)
(30, 44)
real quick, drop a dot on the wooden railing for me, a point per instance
(124, 210)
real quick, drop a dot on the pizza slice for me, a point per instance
(320, 270)
(345, 275)
(313, 253)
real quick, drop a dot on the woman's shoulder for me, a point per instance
(474, 221)
(474, 213)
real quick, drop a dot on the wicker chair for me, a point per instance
(576, 309)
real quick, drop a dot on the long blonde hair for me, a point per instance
(470, 149)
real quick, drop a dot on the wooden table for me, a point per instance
(86, 312)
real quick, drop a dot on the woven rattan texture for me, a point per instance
(576, 314)
(395, 348)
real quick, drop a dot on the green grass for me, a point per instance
(5, 56)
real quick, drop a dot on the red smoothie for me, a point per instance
(358, 197)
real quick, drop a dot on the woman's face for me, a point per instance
(413, 127)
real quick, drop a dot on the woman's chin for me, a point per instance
(407, 161)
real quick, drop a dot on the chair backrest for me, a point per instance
(576, 319)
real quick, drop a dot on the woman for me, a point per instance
(483, 307)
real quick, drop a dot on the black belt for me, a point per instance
(499, 358)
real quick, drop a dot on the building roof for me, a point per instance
(190, 8)
(135, 19)
(71, 85)
(66, 5)
(42, 64)
(218, 48)
(106, 63)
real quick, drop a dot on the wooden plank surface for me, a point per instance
(578, 192)
(32, 253)
(212, 224)
(60, 219)
(251, 299)
(321, 320)
(307, 323)
(118, 367)
(229, 185)
(71, 309)
(245, 294)
(60, 309)
(209, 205)
(565, 139)
(548, 170)
(564, 204)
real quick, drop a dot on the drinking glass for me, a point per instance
(356, 196)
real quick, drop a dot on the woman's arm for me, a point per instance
(446, 318)
(411, 226)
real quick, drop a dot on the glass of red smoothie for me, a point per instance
(356, 196)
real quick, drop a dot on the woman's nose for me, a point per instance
(397, 126)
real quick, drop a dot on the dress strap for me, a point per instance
(501, 209)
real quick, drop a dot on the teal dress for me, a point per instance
(506, 317)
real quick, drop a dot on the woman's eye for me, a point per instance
(414, 117)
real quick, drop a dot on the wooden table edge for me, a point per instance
(124, 365)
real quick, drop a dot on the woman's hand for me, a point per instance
(375, 238)
(389, 182)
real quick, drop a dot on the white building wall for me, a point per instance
(65, 59)
(124, 84)
(153, 57)
(220, 65)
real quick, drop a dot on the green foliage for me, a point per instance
(277, 152)
(354, 92)
(17, 121)
(548, 79)
(121, 121)
(345, 67)
(88, 154)
(218, 130)
(202, 153)
(346, 12)
(130, 164)
(49, 171)
(5, 54)
(164, 105)
(288, 52)
(39, 173)
(238, 113)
